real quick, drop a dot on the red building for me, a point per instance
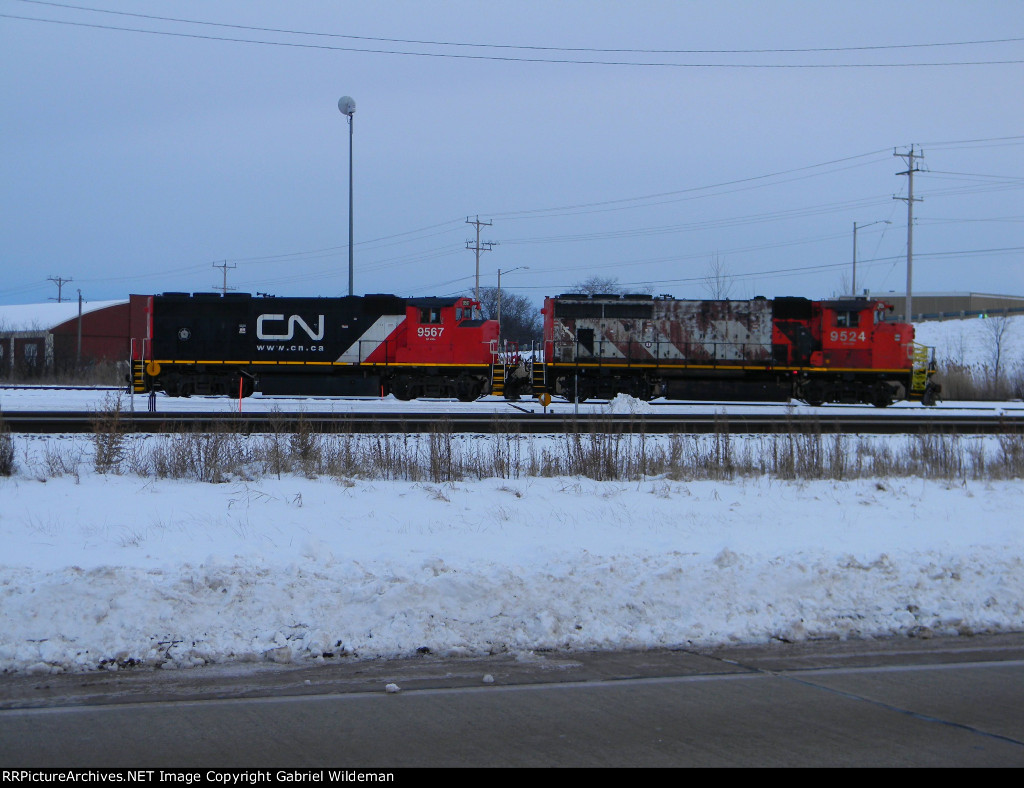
(57, 338)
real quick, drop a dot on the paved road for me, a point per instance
(902, 702)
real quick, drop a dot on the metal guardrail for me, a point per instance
(522, 422)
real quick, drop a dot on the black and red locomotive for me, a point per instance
(236, 344)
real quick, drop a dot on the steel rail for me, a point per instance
(519, 421)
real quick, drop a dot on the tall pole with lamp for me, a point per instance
(853, 287)
(347, 106)
(518, 268)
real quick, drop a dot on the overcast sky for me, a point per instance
(139, 151)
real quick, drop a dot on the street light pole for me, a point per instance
(853, 286)
(347, 106)
(518, 268)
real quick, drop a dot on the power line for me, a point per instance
(772, 216)
(809, 268)
(634, 202)
(367, 245)
(506, 58)
(690, 190)
(528, 47)
(1014, 140)
(620, 204)
(976, 175)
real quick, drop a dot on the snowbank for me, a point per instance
(108, 572)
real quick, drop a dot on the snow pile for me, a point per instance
(625, 404)
(109, 572)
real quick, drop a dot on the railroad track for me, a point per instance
(517, 421)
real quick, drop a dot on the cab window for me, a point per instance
(430, 315)
(467, 312)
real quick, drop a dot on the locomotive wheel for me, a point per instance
(468, 390)
(575, 393)
(881, 396)
(400, 388)
(247, 383)
(814, 393)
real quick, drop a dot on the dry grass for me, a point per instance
(613, 451)
(108, 436)
(7, 466)
(961, 381)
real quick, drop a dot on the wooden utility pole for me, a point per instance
(910, 199)
(78, 353)
(60, 282)
(486, 246)
(224, 287)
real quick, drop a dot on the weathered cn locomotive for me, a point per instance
(815, 351)
(371, 345)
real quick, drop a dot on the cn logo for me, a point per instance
(293, 320)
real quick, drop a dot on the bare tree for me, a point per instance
(599, 284)
(717, 281)
(997, 337)
(844, 284)
(520, 319)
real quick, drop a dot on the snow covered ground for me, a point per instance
(107, 571)
(972, 341)
(114, 570)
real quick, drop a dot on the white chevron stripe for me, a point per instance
(371, 339)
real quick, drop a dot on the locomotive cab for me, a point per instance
(853, 334)
(861, 358)
(446, 331)
(848, 334)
